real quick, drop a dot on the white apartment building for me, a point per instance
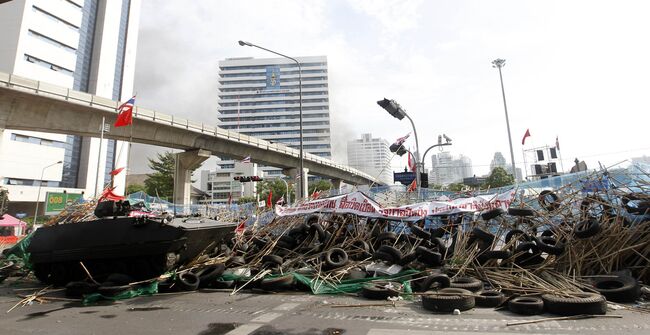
(372, 156)
(447, 169)
(85, 45)
(221, 185)
(260, 97)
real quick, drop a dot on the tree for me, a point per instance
(278, 188)
(134, 188)
(245, 200)
(456, 187)
(499, 177)
(161, 182)
(319, 185)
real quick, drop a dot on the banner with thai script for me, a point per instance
(360, 204)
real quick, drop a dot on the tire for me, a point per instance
(382, 256)
(260, 242)
(406, 260)
(110, 290)
(282, 283)
(187, 281)
(586, 228)
(439, 280)
(360, 245)
(482, 235)
(490, 299)
(438, 232)
(549, 245)
(77, 289)
(587, 204)
(526, 305)
(311, 219)
(467, 283)
(336, 258)
(528, 247)
(491, 214)
(286, 241)
(421, 233)
(236, 261)
(209, 274)
(428, 257)
(394, 253)
(543, 200)
(448, 303)
(583, 303)
(316, 230)
(514, 232)
(621, 288)
(520, 211)
(275, 259)
(381, 290)
(386, 236)
(439, 243)
(120, 279)
(42, 272)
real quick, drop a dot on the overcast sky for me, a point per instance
(578, 70)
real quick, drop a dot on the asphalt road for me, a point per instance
(214, 313)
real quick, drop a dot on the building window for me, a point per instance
(48, 65)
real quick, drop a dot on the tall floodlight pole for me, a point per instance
(394, 109)
(40, 183)
(499, 63)
(302, 166)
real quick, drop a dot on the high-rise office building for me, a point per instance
(446, 169)
(221, 185)
(85, 45)
(498, 161)
(372, 156)
(260, 97)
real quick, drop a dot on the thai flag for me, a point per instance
(401, 140)
(246, 159)
(125, 113)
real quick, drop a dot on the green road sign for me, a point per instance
(55, 202)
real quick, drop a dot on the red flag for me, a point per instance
(125, 113)
(315, 194)
(108, 194)
(413, 186)
(241, 227)
(269, 204)
(411, 162)
(116, 171)
(557, 143)
(527, 134)
(229, 198)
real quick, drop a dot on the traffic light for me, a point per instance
(392, 107)
(256, 178)
(397, 149)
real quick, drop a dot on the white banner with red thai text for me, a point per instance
(358, 203)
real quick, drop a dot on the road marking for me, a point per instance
(286, 306)
(244, 329)
(266, 317)
(429, 332)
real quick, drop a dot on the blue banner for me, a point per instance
(272, 77)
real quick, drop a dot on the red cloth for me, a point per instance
(527, 134)
(411, 162)
(269, 204)
(413, 186)
(116, 171)
(109, 195)
(125, 113)
(241, 227)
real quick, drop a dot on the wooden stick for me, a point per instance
(572, 317)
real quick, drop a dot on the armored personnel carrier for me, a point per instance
(141, 247)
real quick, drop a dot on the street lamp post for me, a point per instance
(499, 63)
(302, 169)
(394, 109)
(40, 183)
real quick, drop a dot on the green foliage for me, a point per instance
(277, 186)
(245, 200)
(134, 188)
(161, 181)
(499, 177)
(456, 187)
(319, 185)
(4, 200)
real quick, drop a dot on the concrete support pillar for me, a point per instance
(336, 185)
(185, 163)
(293, 173)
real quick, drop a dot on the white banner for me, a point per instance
(358, 203)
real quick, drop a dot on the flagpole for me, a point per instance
(128, 154)
(99, 154)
